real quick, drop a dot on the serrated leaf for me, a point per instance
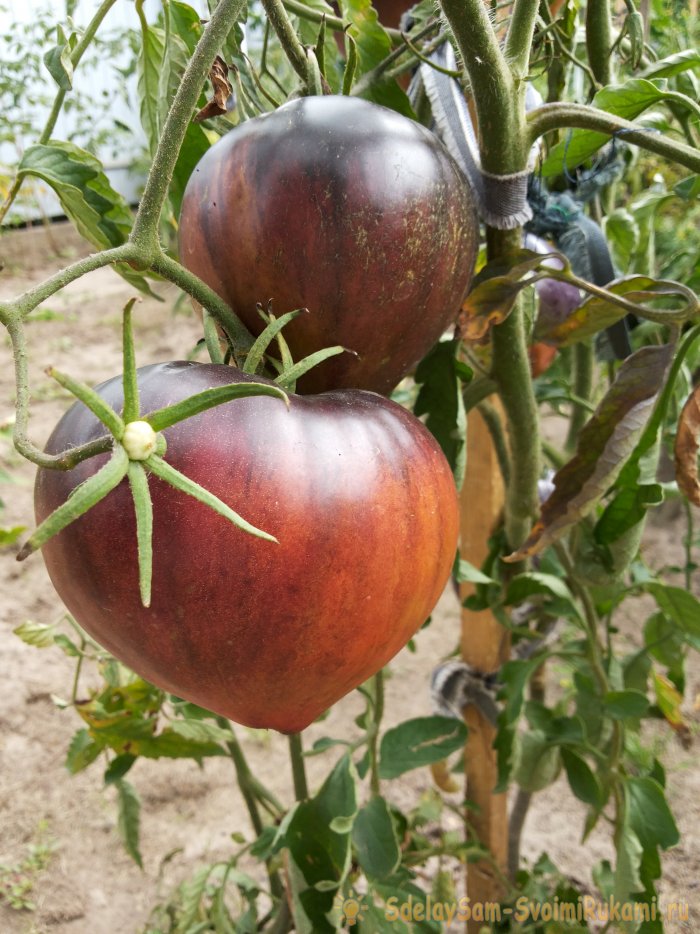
(40, 635)
(626, 100)
(129, 819)
(649, 814)
(201, 731)
(82, 752)
(375, 840)
(118, 768)
(678, 604)
(605, 443)
(191, 893)
(419, 742)
(440, 399)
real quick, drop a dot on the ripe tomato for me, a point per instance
(354, 488)
(348, 209)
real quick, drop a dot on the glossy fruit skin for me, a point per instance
(348, 209)
(355, 489)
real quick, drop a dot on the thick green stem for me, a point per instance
(511, 371)
(240, 337)
(558, 116)
(519, 39)
(293, 49)
(243, 775)
(498, 95)
(373, 737)
(583, 366)
(145, 230)
(296, 756)
(495, 427)
(599, 39)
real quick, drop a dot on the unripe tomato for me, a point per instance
(348, 209)
(355, 489)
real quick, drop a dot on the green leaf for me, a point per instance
(649, 814)
(537, 761)
(82, 751)
(673, 64)
(67, 646)
(622, 233)
(170, 745)
(465, 572)
(629, 860)
(192, 893)
(626, 100)
(148, 71)
(129, 819)
(10, 536)
(440, 398)
(678, 604)
(535, 582)
(689, 188)
(373, 46)
(101, 215)
(495, 290)
(623, 704)
(375, 841)
(626, 510)
(201, 731)
(58, 59)
(582, 780)
(419, 742)
(185, 22)
(40, 635)
(118, 768)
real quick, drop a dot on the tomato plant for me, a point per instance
(362, 505)
(334, 165)
(347, 209)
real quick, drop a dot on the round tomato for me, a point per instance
(354, 488)
(345, 208)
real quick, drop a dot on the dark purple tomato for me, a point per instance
(348, 209)
(556, 300)
(355, 489)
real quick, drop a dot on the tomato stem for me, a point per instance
(296, 755)
(143, 507)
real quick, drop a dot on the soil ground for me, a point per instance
(89, 885)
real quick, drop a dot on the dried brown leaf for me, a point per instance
(217, 105)
(686, 449)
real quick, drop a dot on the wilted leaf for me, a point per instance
(58, 59)
(605, 443)
(82, 751)
(440, 398)
(626, 100)
(40, 635)
(495, 291)
(596, 313)
(686, 448)
(669, 701)
(217, 104)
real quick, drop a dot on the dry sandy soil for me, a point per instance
(89, 885)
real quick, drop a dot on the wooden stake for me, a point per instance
(485, 646)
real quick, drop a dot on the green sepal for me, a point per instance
(350, 65)
(287, 379)
(211, 338)
(90, 398)
(129, 379)
(170, 475)
(86, 495)
(164, 418)
(265, 339)
(143, 506)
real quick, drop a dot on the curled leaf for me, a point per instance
(218, 103)
(686, 448)
(605, 443)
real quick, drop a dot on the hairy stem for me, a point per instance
(557, 116)
(373, 738)
(583, 366)
(519, 38)
(495, 427)
(293, 49)
(145, 230)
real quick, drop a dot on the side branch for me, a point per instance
(558, 116)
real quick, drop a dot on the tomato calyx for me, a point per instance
(137, 451)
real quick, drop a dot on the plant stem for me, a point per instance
(145, 230)
(293, 49)
(296, 755)
(583, 365)
(243, 775)
(500, 446)
(559, 115)
(240, 337)
(373, 737)
(382, 69)
(518, 43)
